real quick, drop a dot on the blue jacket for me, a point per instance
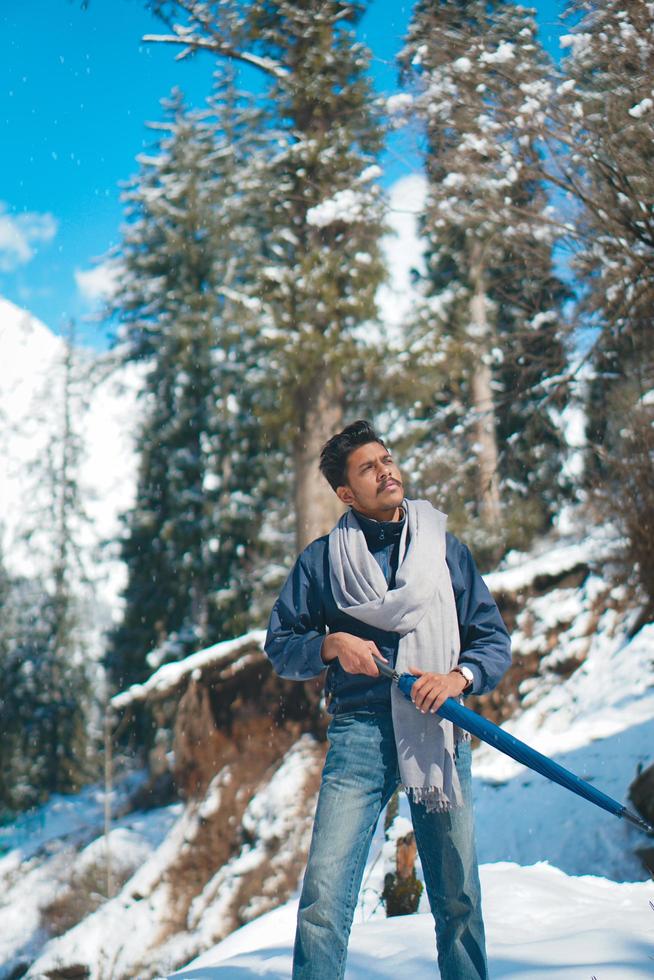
(306, 609)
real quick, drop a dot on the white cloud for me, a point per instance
(20, 232)
(98, 283)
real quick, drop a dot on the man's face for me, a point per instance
(374, 483)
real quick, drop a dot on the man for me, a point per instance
(388, 582)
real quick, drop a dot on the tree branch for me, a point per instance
(192, 43)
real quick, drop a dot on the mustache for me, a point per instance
(383, 486)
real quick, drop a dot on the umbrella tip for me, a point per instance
(637, 821)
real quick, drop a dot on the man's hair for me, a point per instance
(335, 452)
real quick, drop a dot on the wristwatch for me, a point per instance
(467, 674)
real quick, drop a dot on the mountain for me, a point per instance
(103, 397)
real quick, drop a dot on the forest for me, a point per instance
(248, 277)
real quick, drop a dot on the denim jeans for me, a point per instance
(359, 777)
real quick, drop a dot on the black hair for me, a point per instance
(334, 454)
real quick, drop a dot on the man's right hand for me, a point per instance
(354, 654)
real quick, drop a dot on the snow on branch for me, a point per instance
(192, 42)
(521, 570)
(167, 678)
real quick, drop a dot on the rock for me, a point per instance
(641, 793)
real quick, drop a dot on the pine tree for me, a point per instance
(607, 129)
(609, 116)
(322, 263)
(489, 338)
(187, 315)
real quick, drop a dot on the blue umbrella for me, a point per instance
(520, 751)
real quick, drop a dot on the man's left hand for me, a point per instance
(430, 691)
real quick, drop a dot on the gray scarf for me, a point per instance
(422, 609)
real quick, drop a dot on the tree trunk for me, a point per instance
(488, 494)
(320, 415)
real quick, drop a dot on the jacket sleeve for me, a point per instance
(485, 641)
(296, 629)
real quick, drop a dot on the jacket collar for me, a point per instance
(380, 534)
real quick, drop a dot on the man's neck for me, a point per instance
(382, 515)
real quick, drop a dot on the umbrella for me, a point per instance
(487, 731)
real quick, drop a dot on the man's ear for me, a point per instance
(345, 495)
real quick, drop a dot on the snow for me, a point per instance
(538, 921)
(47, 847)
(641, 108)
(462, 65)
(400, 828)
(519, 570)
(580, 43)
(398, 103)
(349, 205)
(127, 930)
(402, 250)
(62, 816)
(504, 52)
(600, 725)
(30, 394)
(170, 675)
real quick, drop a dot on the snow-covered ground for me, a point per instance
(539, 922)
(47, 848)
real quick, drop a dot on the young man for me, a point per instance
(388, 581)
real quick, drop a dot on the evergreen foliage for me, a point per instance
(487, 346)
(44, 695)
(607, 97)
(608, 125)
(45, 692)
(322, 260)
(189, 241)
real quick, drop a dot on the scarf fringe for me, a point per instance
(431, 797)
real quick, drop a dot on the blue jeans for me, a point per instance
(359, 777)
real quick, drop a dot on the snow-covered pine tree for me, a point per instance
(186, 315)
(609, 105)
(322, 264)
(45, 668)
(607, 101)
(487, 344)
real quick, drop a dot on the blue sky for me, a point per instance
(77, 87)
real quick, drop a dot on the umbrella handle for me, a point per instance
(385, 669)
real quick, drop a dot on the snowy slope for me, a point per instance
(134, 931)
(599, 722)
(47, 849)
(104, 413)
(539, 922)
